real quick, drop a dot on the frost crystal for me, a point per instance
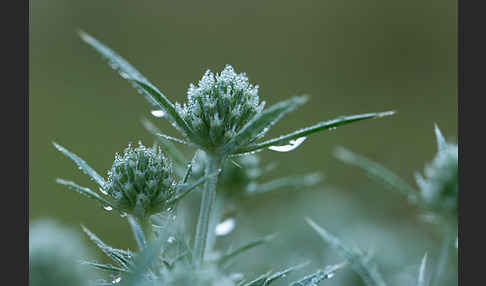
(141, 181)
(219, 106)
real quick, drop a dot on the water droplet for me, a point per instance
(123, 215)
(171, 239)
(108, 208)
(124, 75)
(117, 280)
(225, 227)
(329, 275)
(293, 144)
(103, 191)
(237, 276)
(158, 113)
(386, 113)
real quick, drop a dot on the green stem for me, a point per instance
(206, 210)
(146, 225)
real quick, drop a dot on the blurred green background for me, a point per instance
(351, 56)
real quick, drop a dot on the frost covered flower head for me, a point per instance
(219, 106)
(439, 185)
(54, 256)
(242, 174)
(223, 114)
(141, 181)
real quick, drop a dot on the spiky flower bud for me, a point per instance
(141, 181)
(219, 106)
(54, 256)
(439, 188)
(238, 173)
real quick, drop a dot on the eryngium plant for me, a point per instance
(140, 184)
(436, 196)
(224, 120)
(437, 191)
(222, 117)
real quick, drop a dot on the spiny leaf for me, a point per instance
(105, 267)
(315, 278)
(166, 105)
(441, 142)
(359, 262)
(142, 263)
(421, 277)
(138, 81)
(170, 138)
(274, 277)
(137, 232)
(118, 63)
(171, 149)
(83, 166)
(268, 278)
(287, 182)
(321, 126)
(86, 192)
(247, 246)
(259, 281)
(122, 257)
(257, 126)
(188, 173)
(376, 171)
(185, 189)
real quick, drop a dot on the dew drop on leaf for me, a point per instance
(158, 113)
(123, 215)
(225, 227)
(103, 191)
(171, 239)
(293, 144)
(108, 208)
(329, 275)
(117, 280)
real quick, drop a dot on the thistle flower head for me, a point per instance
(238, 172)
(141, 181)
(219, 106)
(54, 253)
(439, 188)
(241, 172)
(241, 176)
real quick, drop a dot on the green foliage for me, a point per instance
(223, 119)
(437, 191)
(54, 255)
(358, 260)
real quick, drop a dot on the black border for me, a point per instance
(460, 89)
